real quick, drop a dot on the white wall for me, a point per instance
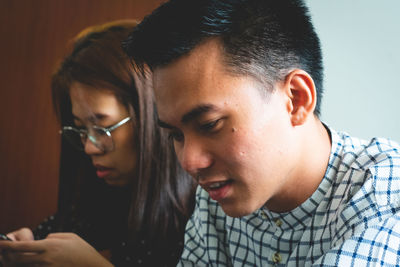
(361, 47)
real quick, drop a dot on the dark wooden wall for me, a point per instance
(34, 34)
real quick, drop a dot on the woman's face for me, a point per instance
(94, 106)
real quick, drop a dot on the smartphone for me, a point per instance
(4, 237)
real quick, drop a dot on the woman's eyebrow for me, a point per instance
(94, 117)
(163, 124)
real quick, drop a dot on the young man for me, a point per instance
(238, 85)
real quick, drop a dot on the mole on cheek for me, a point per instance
(233, 129)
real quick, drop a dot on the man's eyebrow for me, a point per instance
(196, 112)
(191, 115)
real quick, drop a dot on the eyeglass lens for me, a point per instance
(98, 136)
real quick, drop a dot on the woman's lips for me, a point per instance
(102, 171)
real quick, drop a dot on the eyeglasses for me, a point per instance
(99, 136)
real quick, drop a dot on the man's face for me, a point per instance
(237, 143)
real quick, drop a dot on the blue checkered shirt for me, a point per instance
(352, 219)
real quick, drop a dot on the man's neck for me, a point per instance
(310, 168)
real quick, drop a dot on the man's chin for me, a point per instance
(235, 211)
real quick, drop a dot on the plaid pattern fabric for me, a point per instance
(352, 219)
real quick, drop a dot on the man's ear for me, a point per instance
(302, 96)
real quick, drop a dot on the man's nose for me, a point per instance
(194, 156)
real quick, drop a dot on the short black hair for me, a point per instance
(262, 38)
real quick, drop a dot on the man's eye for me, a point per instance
(207, 127)
(176, 136)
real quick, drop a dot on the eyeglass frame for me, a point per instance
(106, 130)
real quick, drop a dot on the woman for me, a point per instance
(121, 188)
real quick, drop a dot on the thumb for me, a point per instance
(23, 234)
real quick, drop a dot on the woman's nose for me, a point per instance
(90, 148)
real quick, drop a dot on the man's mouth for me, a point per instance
(217, 185)
(218, 190)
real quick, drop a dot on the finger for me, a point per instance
(23, 246)
(4, 244)
(11, 236)
(6, 237)
(25, 259)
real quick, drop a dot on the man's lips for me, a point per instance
(213, 185)
(218, 189)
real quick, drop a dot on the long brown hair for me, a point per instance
(161, 193)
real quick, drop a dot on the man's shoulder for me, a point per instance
(380, 152)
(366, 154)
(373, 166)
(383, 162)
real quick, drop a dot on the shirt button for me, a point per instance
(264, 215)
(276, 258)
(278, 222)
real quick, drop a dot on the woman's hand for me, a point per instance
(23, 234)
(58, 249)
